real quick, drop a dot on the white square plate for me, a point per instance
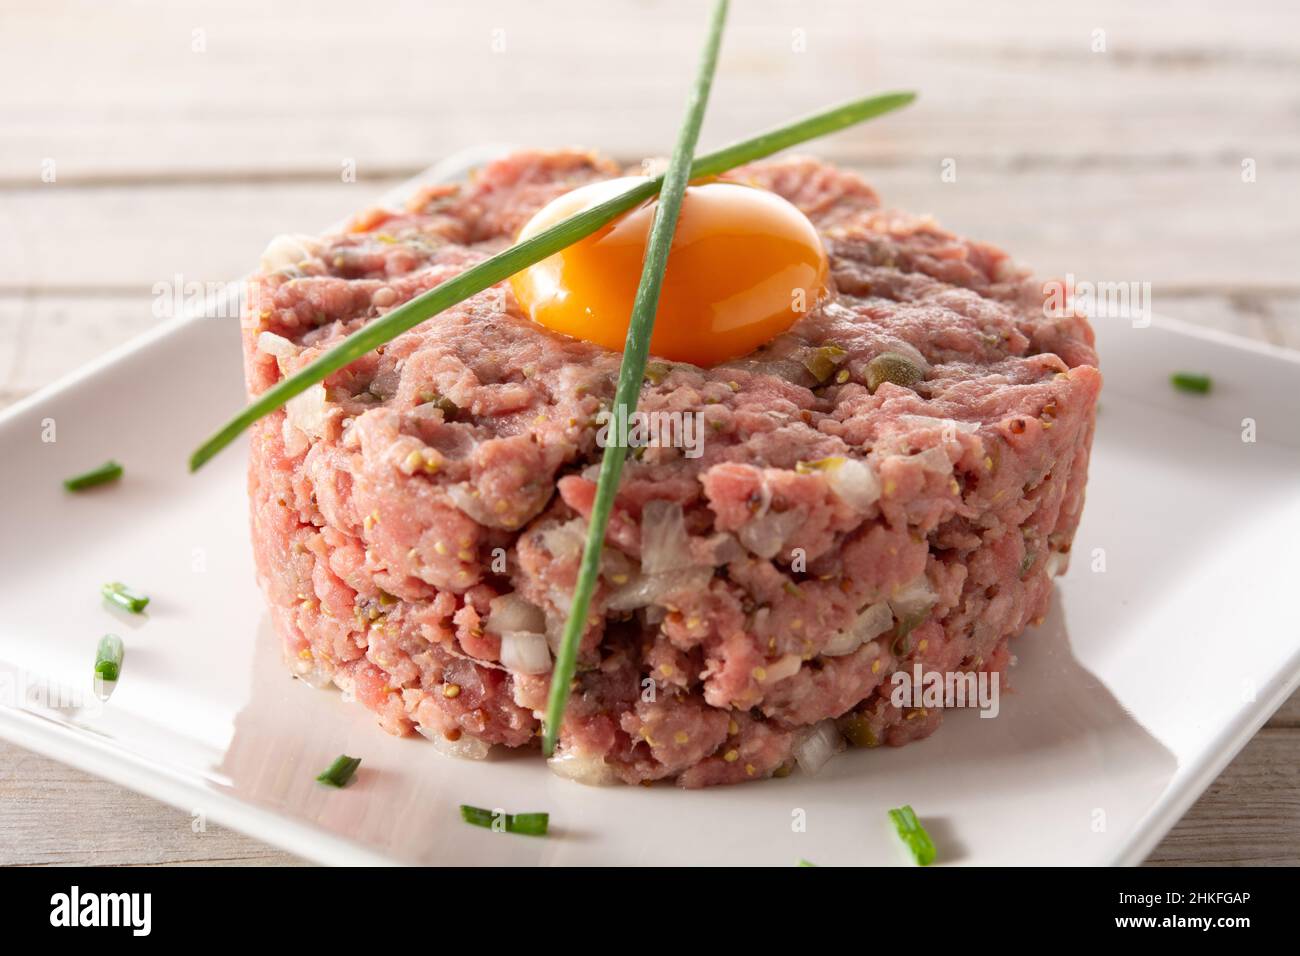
(1145, 680)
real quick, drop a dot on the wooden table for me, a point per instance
(1110, 141)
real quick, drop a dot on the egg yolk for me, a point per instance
(744, 266)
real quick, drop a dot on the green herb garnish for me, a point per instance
(527, 824)
(630, 374)
(913, 835)
(340, 771)
(121, 595)
(519, 257)
(1194, 382)
(805, 863)
(108, 471)
(108, 657)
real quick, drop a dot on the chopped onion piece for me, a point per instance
(510, 612)
(822, 742)
(844, 642)
(870, 624)
(664, 542)
(565, 540)
(725, 549)
(464, 747)
(525, 653)
(855, 484)
(555, 631)
(309, 411)
(285, 252)
(786, 666)
(914, 597)
(649, 588)
(295, 442)
(592, 771)
(767, 534)
(1057, 563)
(560, 599)
(276, 345)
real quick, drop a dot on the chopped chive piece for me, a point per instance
(108, 657)
(806, 863)
(527, 824)
(108, 471)
(913, 834)
(340, 771)
(636, 351)
(1193, 382)
(519, 257)
(121, 595)
(479, 817)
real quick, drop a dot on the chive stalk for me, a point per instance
(121, 595)
(1194, 382)
(636, 351)
(108, 471)
(108, 657)
(519, 257)
(340, 771)
(526, 824)
(913, 835)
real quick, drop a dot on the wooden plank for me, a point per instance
(1250, 816)
(1260, 315)
(44, 339)
(122, 92)
(51, 814)
(129, 238)
(1288, 715)
(1134, 226)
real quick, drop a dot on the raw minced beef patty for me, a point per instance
(433, 495)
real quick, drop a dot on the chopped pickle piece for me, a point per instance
(822, 361)
(656, 372)
(857, 731)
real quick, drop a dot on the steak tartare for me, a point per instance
(892, 483)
